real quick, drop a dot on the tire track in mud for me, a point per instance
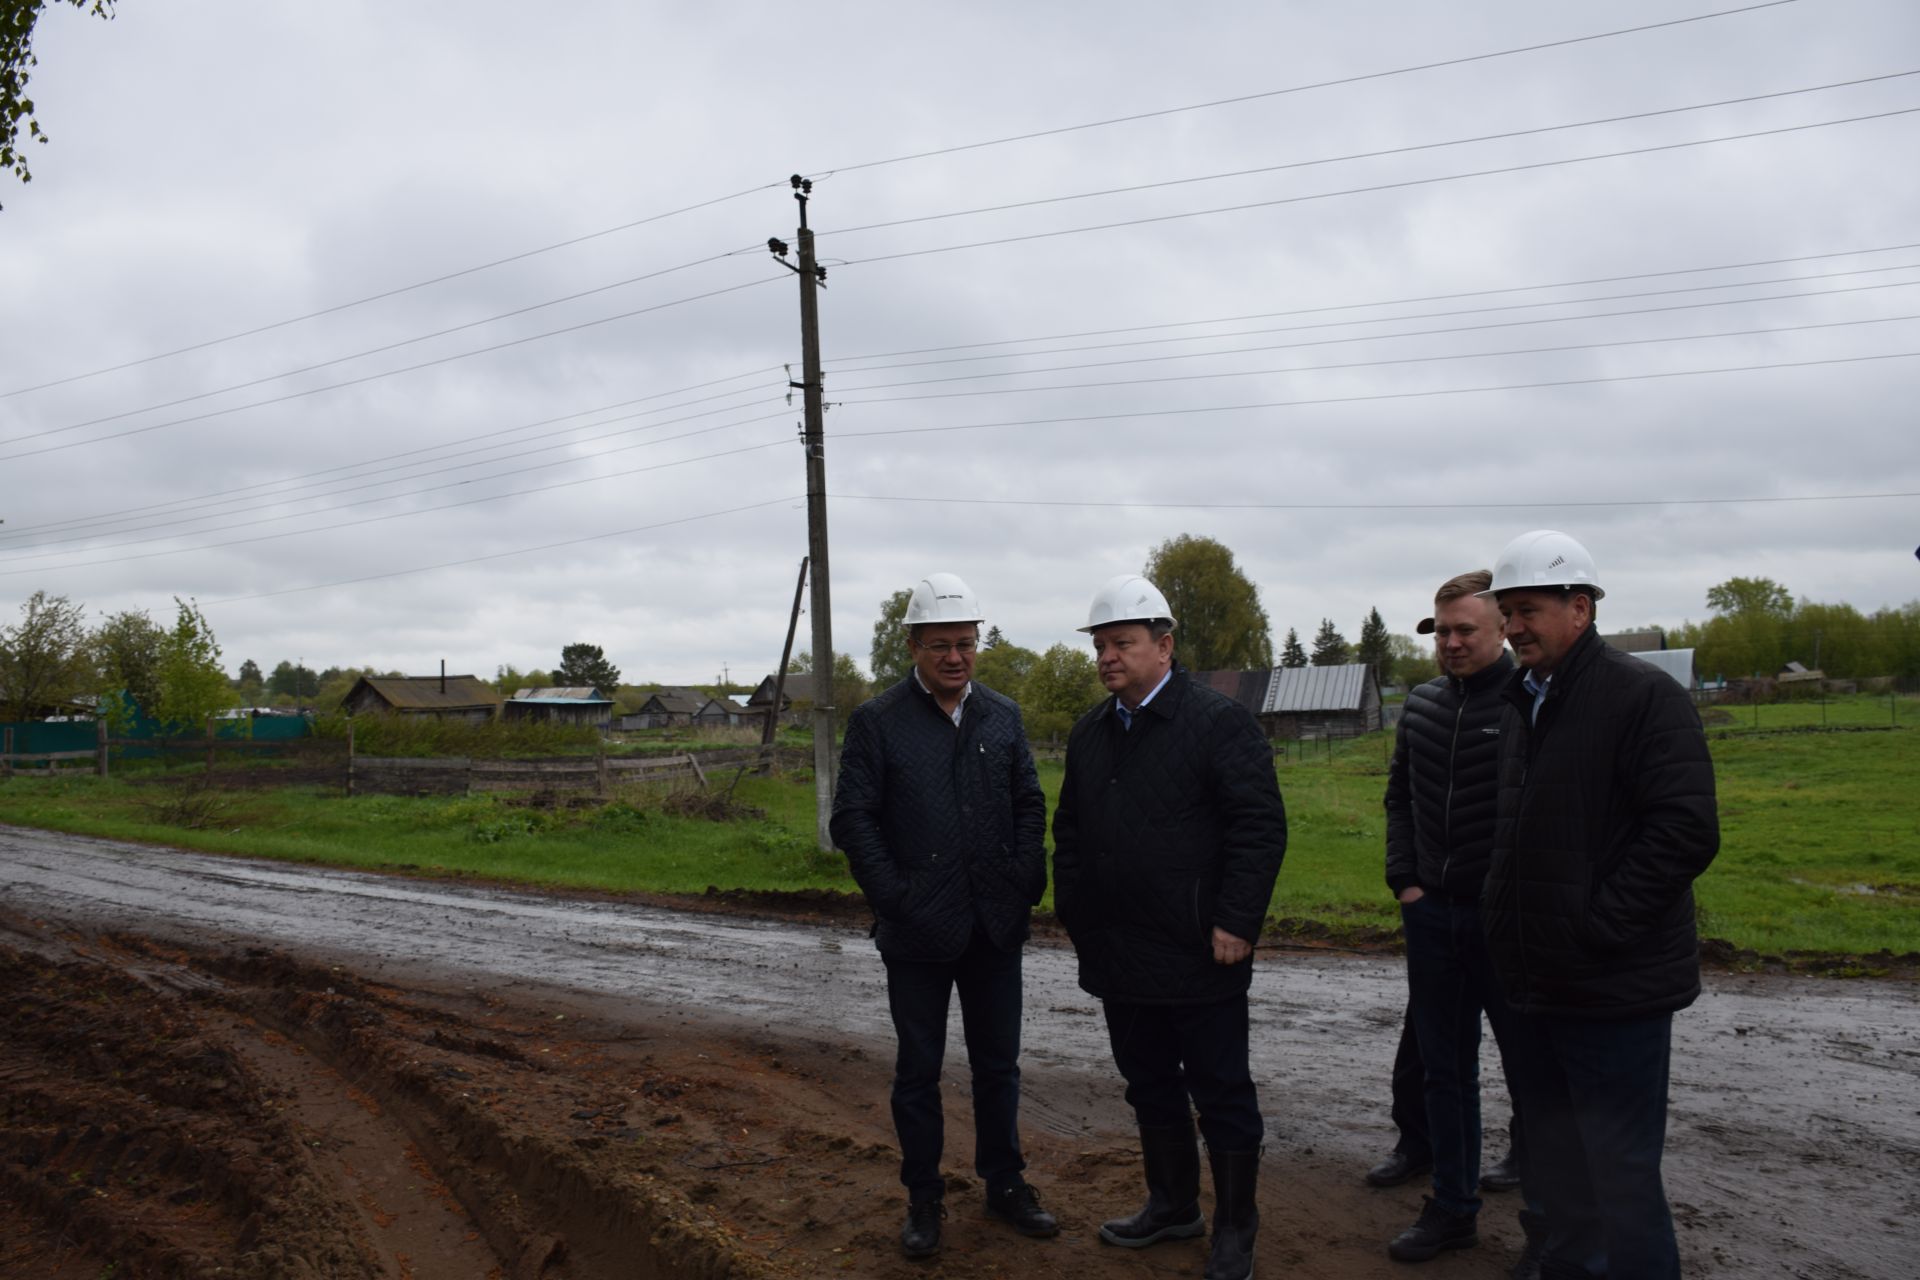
(170, 1115)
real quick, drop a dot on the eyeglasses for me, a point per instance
(941, 648)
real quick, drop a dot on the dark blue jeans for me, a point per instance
(1410, 1095)
(1450, 982)
(917, 994)
(1179, 1059)
(1593, 1099)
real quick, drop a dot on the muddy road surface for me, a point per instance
(219, 1067)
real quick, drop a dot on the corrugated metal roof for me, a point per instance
(1295, 689)
(1677, 663)
(424, 693)
(1651, 641)
(561, 693)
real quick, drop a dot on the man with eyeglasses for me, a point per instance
(943, 822)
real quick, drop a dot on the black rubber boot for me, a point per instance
(1172, 1211)
(1236, 1218)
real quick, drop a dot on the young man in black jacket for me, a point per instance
(1167, 839)
(943, 822)
(1440, 815)
(1605, 818)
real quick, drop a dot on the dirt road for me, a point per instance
(215, 1067)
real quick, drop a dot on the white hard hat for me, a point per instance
(943, 597)
(1544, 558)
(1127, 598)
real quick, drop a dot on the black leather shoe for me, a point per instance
(1398, 1168)
(1504, 1176)
(1019, 1205)
(920, 1237)
(1435, 1232)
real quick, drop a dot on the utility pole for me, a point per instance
(813, 437)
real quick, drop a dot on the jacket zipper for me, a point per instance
(1453, 753)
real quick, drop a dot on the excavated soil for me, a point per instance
(217, 1068)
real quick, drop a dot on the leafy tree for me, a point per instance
(1751, 596)
(585, 664)
(1004, 668)
(1221, 624)
(1063, 684)
(509, 679)
(1330, 648)
(43, 656)
(292, 681)
(1374, 648)
(125, 652)
(850, 687)
(249, 675)
(890, 657)
(1292, 655)
(994, 639)
(17, 60)
(193, 685)
(1412, 663)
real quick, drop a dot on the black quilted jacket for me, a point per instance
(1440, 789)
(1606, 817)
(1163, 832)
(942, 825)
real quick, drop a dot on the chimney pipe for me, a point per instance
(443, 675)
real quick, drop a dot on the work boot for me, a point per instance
(1172, 1211)
(1399, 1167)
(1018, 1203)
(1236, 1218)
(1436, 1231)
(1533, 1254)
(920, 1237)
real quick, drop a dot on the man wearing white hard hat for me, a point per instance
(1168, 836)
(943, 822)
(1605, 817)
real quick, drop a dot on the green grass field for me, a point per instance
(1820, 838)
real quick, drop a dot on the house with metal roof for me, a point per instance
(453, 697)
(665, 709)
(1677, 663)
(1652, 640)
(561, 704)
(1317, 702)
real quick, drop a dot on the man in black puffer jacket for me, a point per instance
(1440, 815)
(1606, 817)
(1167, 839)
(943, 822)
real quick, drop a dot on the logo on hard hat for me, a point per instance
(1557, 562)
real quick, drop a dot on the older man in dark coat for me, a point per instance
(1167, 839)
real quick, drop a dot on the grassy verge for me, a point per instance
(1820, 838)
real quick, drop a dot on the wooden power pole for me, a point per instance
(813, 436)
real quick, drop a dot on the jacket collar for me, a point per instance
(1165, 704)
(1491, 676)
(1515, 690)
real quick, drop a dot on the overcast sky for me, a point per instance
(211, 398)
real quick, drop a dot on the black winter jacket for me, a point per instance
(1164, 832)
(1441, 786)
(1606, 817)
(943, 825)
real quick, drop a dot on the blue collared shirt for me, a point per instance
(1126, 716)
(1538, 688)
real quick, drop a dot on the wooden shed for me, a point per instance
(454, 697)
(665, 709)
(564, 704)
(1321, 702)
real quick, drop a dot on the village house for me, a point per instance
(563, 704)
(466, 698)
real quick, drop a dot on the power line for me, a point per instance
(502, 555)
(401, 515)
(1372, 364)
(1392, 395)
(351, 382)
(421, 475)
(1374, 506)
(1506, 135)
(1404, 333)
(1389, 302)
(1302, 88)
(1376, 187)
(127, 513)
(390, 293)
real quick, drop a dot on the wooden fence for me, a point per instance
(462, 775)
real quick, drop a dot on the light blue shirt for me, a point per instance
(1538, 688)
(1126, 716)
